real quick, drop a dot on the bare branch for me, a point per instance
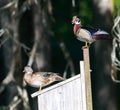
(9, 35)
(2, 31)
(24, 96)
(73, 3)
(66, 55)
(116, 47)
(8, 78)
(37, 35)
(14, 103)
(32, 55)
(8, 5)
(114, 79)
(12, 6)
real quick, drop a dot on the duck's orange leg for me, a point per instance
(40, 88)
(86, 45)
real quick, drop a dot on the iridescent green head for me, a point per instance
(75, 20)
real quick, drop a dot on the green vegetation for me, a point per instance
(116, 7)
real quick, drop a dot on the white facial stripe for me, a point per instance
(77, 22)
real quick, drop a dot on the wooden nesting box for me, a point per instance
(72, 94)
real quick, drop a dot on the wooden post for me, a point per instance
(87, 78)
(83, 88)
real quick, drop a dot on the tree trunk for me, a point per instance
(104, 91)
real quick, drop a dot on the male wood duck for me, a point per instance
(87, 34)
(40, 79)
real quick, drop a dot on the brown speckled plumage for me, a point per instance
(40, 79)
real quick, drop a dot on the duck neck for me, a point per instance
(76, 28)
(28, 72)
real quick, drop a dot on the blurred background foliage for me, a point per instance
(116, 7)
(60, 30)
(63, 11)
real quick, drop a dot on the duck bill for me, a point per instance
(73, 21)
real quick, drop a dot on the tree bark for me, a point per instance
(104, 90)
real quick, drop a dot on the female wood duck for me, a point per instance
(86, 34)
(40, 79)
